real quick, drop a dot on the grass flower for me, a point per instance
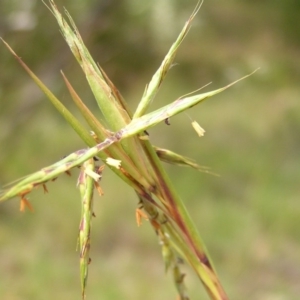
(122, 144)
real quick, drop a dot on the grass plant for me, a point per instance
(122, 143)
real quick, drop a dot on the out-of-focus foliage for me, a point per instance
(249, 215)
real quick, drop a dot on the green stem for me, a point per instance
(183, 220)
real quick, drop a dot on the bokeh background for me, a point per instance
(249, 217)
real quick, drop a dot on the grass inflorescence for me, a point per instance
(123, 145)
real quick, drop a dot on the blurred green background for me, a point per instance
(249, 217)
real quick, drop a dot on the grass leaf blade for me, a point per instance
(75, 124)
(157, 79)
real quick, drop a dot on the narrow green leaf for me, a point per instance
(157, 79)
(161, 114)
(171, 157)
(86, 187)
(75, 124)
(114, 114)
